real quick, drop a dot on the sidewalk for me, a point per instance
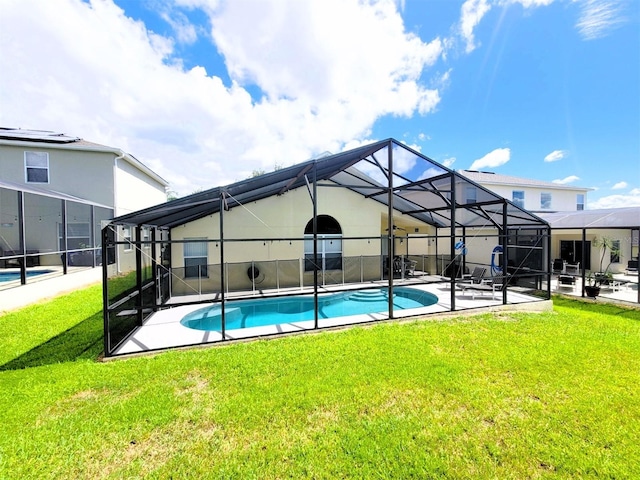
(18, 297)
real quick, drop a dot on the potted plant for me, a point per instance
(595, 280)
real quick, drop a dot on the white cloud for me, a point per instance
(105, 77)
(532, 3)
(471, 13)
(598, 17)
(620, 186)
(555, 156)
(493, 159)
(566, 180)
(448, 162)
(616, 201)
(185, 32)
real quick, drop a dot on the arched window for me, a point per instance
(329, 244)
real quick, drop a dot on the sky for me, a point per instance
(206, 92)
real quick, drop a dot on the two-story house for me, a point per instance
(56, 192)
(536, 196)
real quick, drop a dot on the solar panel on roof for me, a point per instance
(35, 135)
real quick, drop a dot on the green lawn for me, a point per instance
(552, 395)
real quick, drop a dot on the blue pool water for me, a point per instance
(11, 276)
(272, 311)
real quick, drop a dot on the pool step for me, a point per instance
(369, 296)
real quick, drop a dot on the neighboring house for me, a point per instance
(533, 195)
(56, 192)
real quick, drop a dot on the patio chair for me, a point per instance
(491, 285)
(559, 266)
(476, 277)
(632, 267)
(566, 281)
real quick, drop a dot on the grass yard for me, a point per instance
(553, 395)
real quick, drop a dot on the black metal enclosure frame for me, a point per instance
(438, 211)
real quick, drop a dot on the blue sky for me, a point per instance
(207, 91)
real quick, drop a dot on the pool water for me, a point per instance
(12, 276)
(272, 311)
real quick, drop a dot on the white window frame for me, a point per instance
(580, 201)
(545, 205)
(29, 155)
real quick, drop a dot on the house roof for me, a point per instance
(421, 189)
(491, 178)
(54, 140)
(628, 217)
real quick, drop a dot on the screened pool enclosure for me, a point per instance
(382, 216)
(45, 234)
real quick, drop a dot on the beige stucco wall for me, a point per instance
(623, 235)
(286, 216)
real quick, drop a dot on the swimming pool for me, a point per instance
(272, 311)
(12, 276)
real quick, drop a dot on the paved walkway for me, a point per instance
(37, 291)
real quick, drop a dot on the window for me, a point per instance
(195, 258)
(126, 236)
(580, 201)
(36, 166)
(545, 201)
(329, 244)
(517, 196)
(615, 251)
(471, 194)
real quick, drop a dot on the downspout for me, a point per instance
(115, 184)
(115, 210)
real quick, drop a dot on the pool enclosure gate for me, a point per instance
(380, 215)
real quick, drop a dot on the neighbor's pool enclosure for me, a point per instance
(44, 234)
(379, 215)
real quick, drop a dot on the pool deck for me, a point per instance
(163, 329)
(46, 287)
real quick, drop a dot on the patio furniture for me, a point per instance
(632, 267)
(492, 285)
(476, 277)
(573, 267)
(402, 267)
(566, 281)
(559, 266)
